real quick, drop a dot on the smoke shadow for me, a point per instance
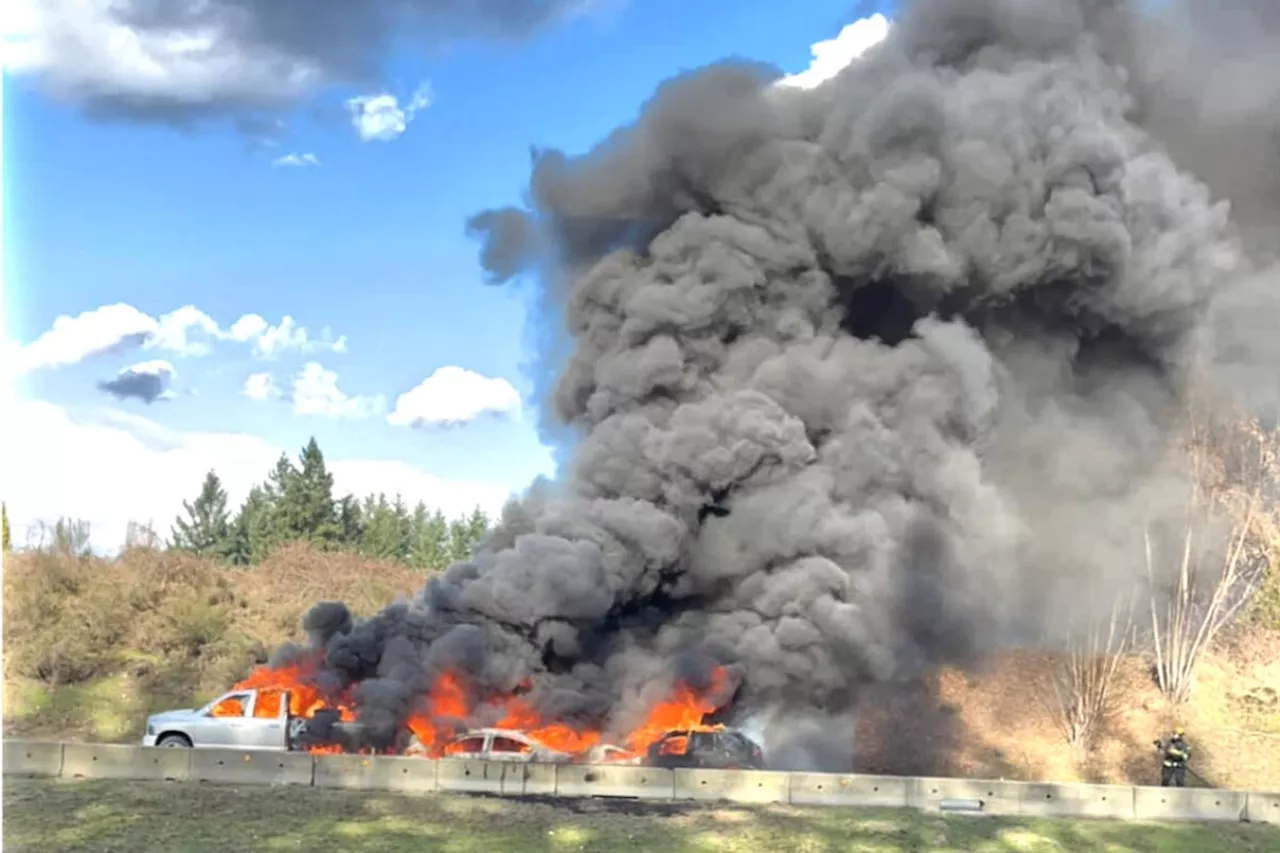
(906, 729)
(913, 729)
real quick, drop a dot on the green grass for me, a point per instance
(43, 816)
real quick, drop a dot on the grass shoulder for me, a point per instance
(59, 816)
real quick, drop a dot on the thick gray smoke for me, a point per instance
(867, 379)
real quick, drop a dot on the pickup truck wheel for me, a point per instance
(174, 742)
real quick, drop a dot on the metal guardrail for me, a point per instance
(420, 775)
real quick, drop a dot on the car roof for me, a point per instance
(511, 733)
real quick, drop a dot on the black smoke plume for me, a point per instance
(866, 379)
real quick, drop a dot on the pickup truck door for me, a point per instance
(257, 731)
(222, 719)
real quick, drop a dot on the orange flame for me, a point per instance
(443, 711)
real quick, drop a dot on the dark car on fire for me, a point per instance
(716, 748)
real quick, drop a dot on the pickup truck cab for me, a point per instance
(240, 719)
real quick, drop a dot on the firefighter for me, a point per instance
(1176, 753)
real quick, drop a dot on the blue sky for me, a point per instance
(367, 243)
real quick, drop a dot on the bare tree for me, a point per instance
(67, 537)
(1083, 682)
(1222, 545)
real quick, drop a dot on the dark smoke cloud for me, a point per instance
(147, 382)
(867, 379)
(248, 59)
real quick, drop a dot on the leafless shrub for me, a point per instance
(1208, 562)
(1083, 690)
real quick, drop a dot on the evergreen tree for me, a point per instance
(253, 531)
(309, 511)
(206, 531)
(383, 534)
(350, 522)
(428, 539)
(4, 520)
(404, 527)
(459, 540)
(477, 527)
(276, 490)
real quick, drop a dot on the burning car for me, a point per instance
(714, 747)
(490, 744)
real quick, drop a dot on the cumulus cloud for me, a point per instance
(143, 471)
(111, 328)
(269, 341)
(380, 118)
(316, 392)
(261, 386)
(832, 55)
(179, 62)
(296, 160)
(188, 331)
(454, 395)
(147, 381)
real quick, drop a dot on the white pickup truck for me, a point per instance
(234, 720)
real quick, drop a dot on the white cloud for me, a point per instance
(147, 381)
(247, 328)
(73, 339)
(453, 395)
(380, 118)
(102, 49)
(833, 55)
(269, 341)
(296, 160)
(261, 386)
(143, 471)
(187, 331)
(316, 392)
(178, 61)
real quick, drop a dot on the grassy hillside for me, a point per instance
(91, 646)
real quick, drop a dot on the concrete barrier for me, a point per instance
(32, 758)
(1262, 807)
(113, 761)
(535, 779)
(736, 786)
(376, 772)
(608, 780)
(475, 777)
(829, 789)
(251, 767)
(996, 797)
(1041, 799)
(1188, 804)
